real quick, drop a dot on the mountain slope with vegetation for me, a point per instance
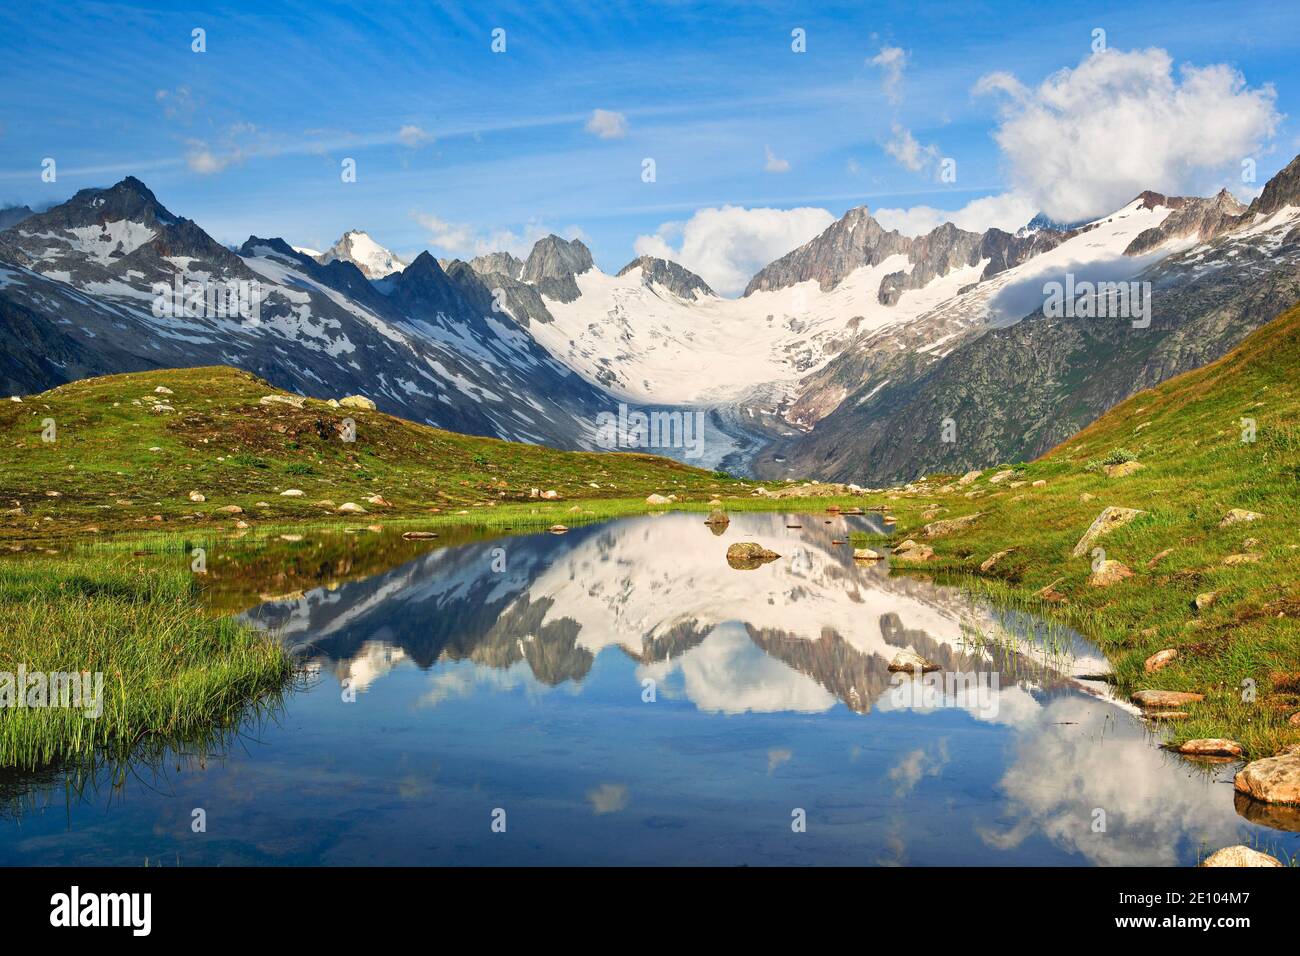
(1209, 568)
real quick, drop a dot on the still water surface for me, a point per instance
(620, 695)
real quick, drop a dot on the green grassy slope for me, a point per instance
(112, 447)
(1188, 436)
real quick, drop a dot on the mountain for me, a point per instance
(358, 248)
(1013, 390)
(851, 242)
(83, 280)
(553, 264)
(680, 281)
(12, 215)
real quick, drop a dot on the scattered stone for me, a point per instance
(866, 554)
(357, 401)
(1108, 573)
(297, 401)
(911, 662)
(1272, 779)
(936, 528)
(656, 499)
(993, 559)
(291, 493)
(419, 535)
(557, 529)
(379, 500)
(162, 409)
(1160, 660)
(748, 555)
(291, 537)
(1086, 497)
(969, 477)
(1233, 560)
(1238, 516)
(1212, 747)
(1049, 593)
(1159, 557)
(1123, 469)
(1002, 476)
(1238, 856)
(1040, 483)
(195, 496)
(231, 510)
(350, 508)
(1155, 699)
(550, 494)
(241, 523)
(15, 398)
(163, 390)
(717, 518)
(1205, 599)
(1111, 517)
(1166, 714)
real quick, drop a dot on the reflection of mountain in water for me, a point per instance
(658, 588)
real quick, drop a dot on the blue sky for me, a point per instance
(248, 137)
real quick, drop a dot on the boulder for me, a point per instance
(948, 525)
(1111, 517)
(993, 559)
(1002, 476)
(419, 535)
(357, 401)
(866, 554)
(1272, 779)
(163, 390)
(291, 493)
(969, 478)
(1239, 516)
(196, 496)
(1233, 560)
(717, 518)
(557, 529)
(379, 501)
(230, 510)
(1156, 699)
(297, 401)
(1240, 856)
(911, 662)
(656, 500)
(550, 494)
(1205, 599)
(748, 555)
(1212, 747)
(350, 508)
(909, 550)
(1159, 557)
(1123, 469)
(1108, 573)
(1040, 483)
(1160, 660)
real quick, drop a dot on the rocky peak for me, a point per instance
(1192, 216)
(12, 215)
(678, 280)
(1282, 190)
(127, 201)
(852, 241)
(556, 258)
(356, 246)
(497, 263)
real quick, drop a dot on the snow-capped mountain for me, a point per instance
(358, 248)
(79, 295)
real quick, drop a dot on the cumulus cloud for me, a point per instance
(773, 164)
(891, 60)
(726, 246)
(607, 124)
(909, 153)
(1007, 211)
(1089, 139)
(412, 136)
(465, 241)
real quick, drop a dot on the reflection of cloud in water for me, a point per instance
(727, 673)
(776, 757)
(608, 798)
(1061, 774)
(462, 679)
(907, 773)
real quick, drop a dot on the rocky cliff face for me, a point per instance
(678, 280)
(497, 263)
(1202, 218)
(552, 265)
(853, 241)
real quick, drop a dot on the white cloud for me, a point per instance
(607, 124)
(908, 152)
(726, 246)
(1006, 211)
(773, 164)
(891, 60)
(412, 136)
(1089, 139)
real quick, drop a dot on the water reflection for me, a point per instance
(627, 697)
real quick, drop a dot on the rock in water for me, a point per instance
(1212, 747)
(1240, 856)
(1272, 780)
(911, 662)
(717, 518)
(1165, 698)
(748, 555)
(866, 554)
